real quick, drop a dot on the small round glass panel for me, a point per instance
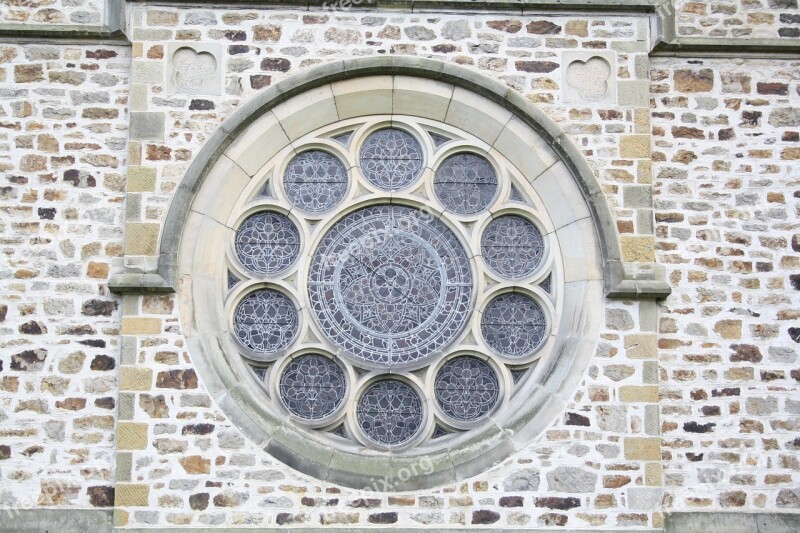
(265, 321)
(389, 412)
(390, 285)
(465, 183)
(312, 386)
(267, 243)
(466, 388)
(391, 159)
(512, 246)
(513, 325)
(315, 181)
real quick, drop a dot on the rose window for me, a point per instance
(391, 283)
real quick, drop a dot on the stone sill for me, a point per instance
(711, 47)
(66, 34)
(138, 283)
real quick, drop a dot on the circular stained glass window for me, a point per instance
(387, 293)
(465, 183)
(267, 243)
(312, 386)
(390, 285)
(466, 388)
(315, 181)
(512, 246)
(389, 412)
(513, 324)
(391, 159)
(265, 321)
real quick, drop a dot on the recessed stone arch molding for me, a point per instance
(537, 165)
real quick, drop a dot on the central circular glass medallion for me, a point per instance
(390, 285)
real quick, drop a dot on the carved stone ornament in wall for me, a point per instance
(194, 69)
(589, 77)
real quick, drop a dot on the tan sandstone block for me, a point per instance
(120, 518)
(653, 476)
(641, 346)
(634, 393)
(141, 326)
(641, 120)
(635, 146)
(131, 436)
(644, 171)
(141, 179)
(638, 248)
(141, 238)
(135, 378)
(643, 448)
(132, 495)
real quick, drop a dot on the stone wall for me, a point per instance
(726, 194)
(738, 18)
(63, 143)
(52, 12)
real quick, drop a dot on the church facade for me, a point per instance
(413, 265)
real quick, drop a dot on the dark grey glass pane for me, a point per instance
(265, 321)
(513, 324)
(466, 388)
(260, 371)
(547, 284)
(340, 432)
(390, 285)
(438, 140)
(343, 138)
(267, 243)
(439, 431)
(516, 196)
(315, 181)
(389, 412)
(512, 246)
(517, 375)
(391, 159)
(232, 280)
(312, 386)
(465, 183)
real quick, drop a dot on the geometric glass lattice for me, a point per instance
(267, 243)
(265, 321)
(465, 183)
(389, 412)
(513, 325)
(466, 388)
(312, 386)
(390, 285)
(391, 159)
(315, 181)
(512, 246)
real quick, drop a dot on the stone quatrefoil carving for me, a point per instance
(590, 77)
(192, 70)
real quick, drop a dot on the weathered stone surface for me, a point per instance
(571, 479)
(523, 480)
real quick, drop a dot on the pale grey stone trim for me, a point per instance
(621, 280)
(60, 520)
(700, 522)
(66, 34)
(391, 529)
(713, 47)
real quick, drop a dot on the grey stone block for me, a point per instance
(644, 498)
(147, 126)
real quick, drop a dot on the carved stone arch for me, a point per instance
(215, 183)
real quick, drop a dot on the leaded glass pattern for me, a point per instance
(516, 196)
(265, 321)
(512, 246)
(232, 280)
(465, 183)
(343, 138)
(389, 412)
(267, 243)
(439, 431)
(467, 389)
(547, 284)
(438, 140)
(390, 285)
(513, 325)
(312, 386)
(391, 159)
(315, 181)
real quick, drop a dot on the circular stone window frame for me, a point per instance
(429, 89)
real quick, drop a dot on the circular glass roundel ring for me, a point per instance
(389, 412)
(267, 243)
(513, 325)
(465, 183)
(312, 386)
(315, 181)
(390, 285)
(265, 321)
(512, 246)
(466, 388)
(391, 159)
